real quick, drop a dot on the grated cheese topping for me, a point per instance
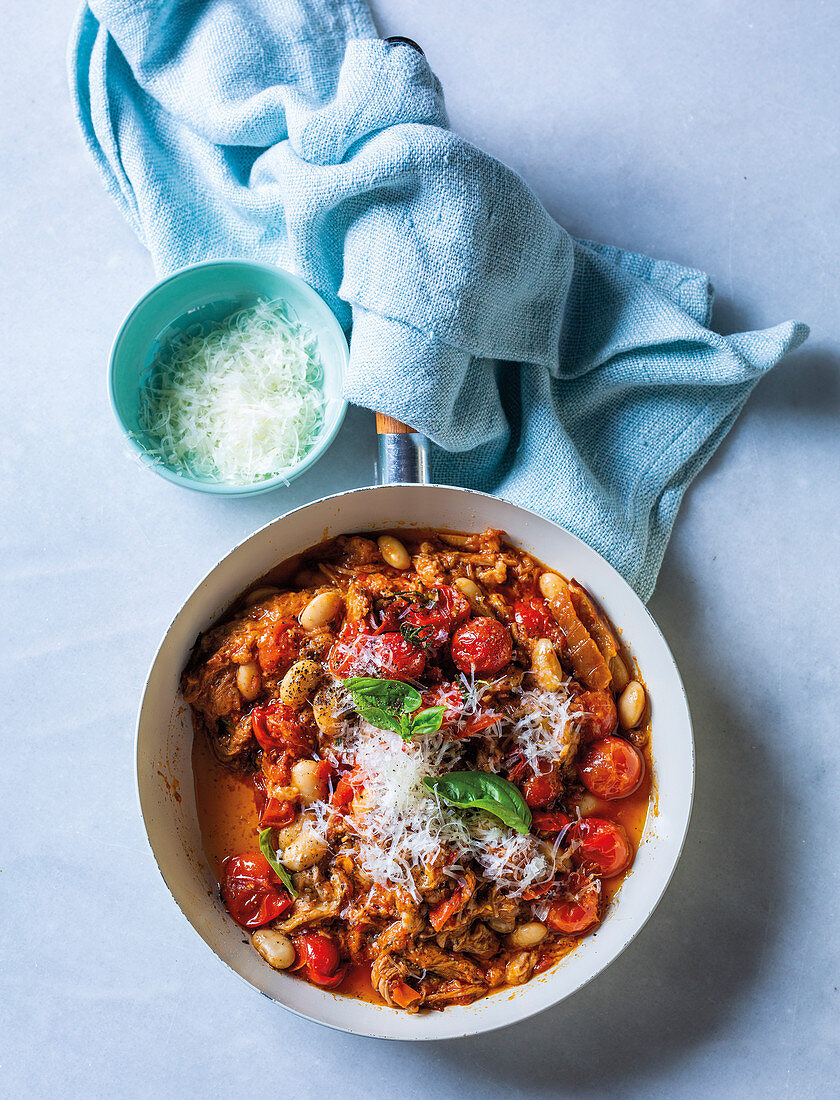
(544, 731)
(402, 827)
(237, 402)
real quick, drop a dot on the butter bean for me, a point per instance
(545, 666)
(300, 846)
(620, 675)
(248, 681)
(298, 682)
(631, 705)
(551, 586)
(275, 947)
(305, 775)
(321, 610)
(528, 935)
(475, 596)
(393, 552)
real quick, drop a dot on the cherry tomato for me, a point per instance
(437, 615)
(534, 617)
(475, 723)
(481, 645)
(387, 655)
(279, 727)
(554, 822)
(320, 959)
(318, 951)
(594, 713)
(516, 767)
(577, 912)
(279, 646)
(251, 891)
(327, 981)
(539, 790)
(601, 846)
(611, 768)
(450, 697)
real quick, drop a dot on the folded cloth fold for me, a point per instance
(568, 376)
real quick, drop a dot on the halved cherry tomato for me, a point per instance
(387, 655)
(539, 790)
(554, 822)
(594, 713)
(475, 723)
(251, 891)
(535, 618)
(448, 696)
(438, 614)
(279, 727)
(611, 768)
(577, 912)
(601, 846)
(278, 646)
(482, 645)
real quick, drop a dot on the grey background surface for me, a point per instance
(704, 133)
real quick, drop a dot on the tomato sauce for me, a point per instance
(227, 810)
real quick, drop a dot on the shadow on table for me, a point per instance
(702, 950)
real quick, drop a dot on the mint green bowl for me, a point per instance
(206, 293)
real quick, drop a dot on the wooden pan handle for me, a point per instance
(386, 425)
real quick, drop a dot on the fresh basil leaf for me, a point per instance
(392, 696)
(427, 721)
(380, 718)
(404, 729)
(268, 850)
(383, 703)
(483, 791)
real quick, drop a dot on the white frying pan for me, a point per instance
(164, 740)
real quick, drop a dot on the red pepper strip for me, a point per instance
(277, 813)
(403, 995)
(343, 794)
(446, 909)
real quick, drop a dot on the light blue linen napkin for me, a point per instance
(571, 377)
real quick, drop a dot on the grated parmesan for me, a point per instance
(544, 731)
(237, 402)
(402, 826)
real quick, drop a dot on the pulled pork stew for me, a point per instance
(420, 765)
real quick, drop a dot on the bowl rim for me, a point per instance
(519, 1013)
(323, 443)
